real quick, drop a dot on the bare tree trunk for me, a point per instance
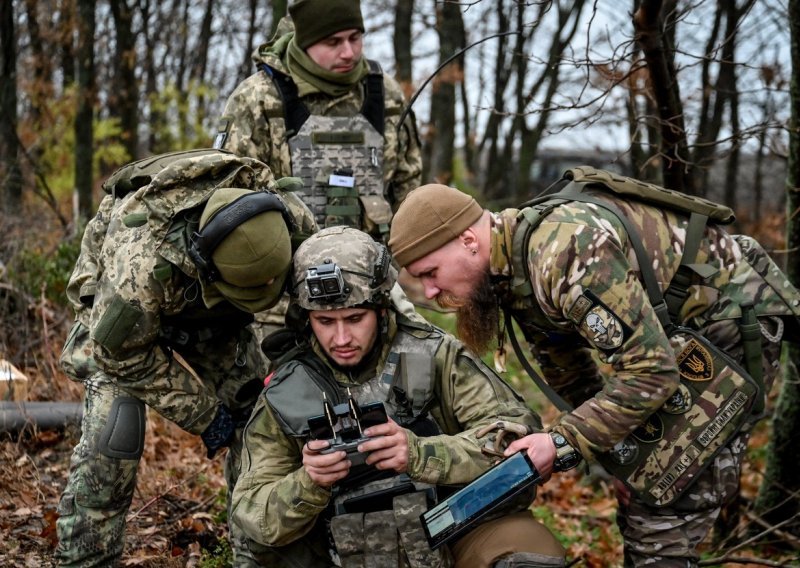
(496, 167)
(11, 198)
(198, 73)
(402, 45)
(441, 142)
(532, 136)
(246, 68)
(648, 21)
(126, 91)
(66, 24)
(84, 137)
(41, 88)
(778, 497)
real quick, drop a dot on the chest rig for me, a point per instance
(373, 517)
(716, 397)
(339, 158)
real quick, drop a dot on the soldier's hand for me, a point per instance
(389, 448)
(540, 449)
(324, 469)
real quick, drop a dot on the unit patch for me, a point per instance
(679, 402)
(601, 325)
(650, 431)
(695, 362)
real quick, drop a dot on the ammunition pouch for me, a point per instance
(374, 524)
(714, 401)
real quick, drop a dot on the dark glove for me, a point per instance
(219, 433)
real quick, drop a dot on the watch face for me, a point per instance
(559, 440)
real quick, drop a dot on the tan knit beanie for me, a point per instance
(430, 217)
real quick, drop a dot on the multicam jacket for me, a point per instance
(252, 124)
(138, 302)
(603, 348)
(275, 502)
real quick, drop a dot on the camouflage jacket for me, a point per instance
(136, 295)
(253, 122)
(581, 263)
(276, 503)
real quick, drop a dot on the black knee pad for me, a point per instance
(123, 435)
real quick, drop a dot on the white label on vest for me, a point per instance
(341, 181)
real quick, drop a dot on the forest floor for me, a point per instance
(178, 515)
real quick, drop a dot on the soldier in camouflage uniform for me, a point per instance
(317, 109)
(347, 339)
(583, 282)
(356, 161)
(183, 250)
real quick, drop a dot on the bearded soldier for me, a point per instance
(184, 249)
(304, 503)
(591, 273)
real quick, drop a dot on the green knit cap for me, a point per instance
(428, 218)
(317, 19)
(253, 260)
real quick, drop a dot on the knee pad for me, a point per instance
(123, 435)
(530, 560)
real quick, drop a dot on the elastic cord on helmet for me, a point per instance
(205, 241)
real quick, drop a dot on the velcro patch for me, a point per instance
(602, 326)
(695, 362)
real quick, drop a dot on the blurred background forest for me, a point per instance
(697, 95)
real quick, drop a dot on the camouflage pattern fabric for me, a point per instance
(581, 262)
(142, 329)
(276, 504)
(252, 122)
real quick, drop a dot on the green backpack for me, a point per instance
(716, 397)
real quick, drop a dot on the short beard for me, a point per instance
(477, 317)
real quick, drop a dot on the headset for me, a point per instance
(205, 241)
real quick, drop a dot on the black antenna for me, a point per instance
(444, 63)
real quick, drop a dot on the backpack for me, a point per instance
(716, 397)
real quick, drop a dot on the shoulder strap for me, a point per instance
(295, 112)
(373, 108)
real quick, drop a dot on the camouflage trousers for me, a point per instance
(669, 536)
(95, 502)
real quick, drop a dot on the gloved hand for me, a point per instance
(219, 433)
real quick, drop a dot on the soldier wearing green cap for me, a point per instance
(573, 272)
(445, 412)
(319, 109)
(183, 250)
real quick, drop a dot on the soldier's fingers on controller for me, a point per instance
(316, 445)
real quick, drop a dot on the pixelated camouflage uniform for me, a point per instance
(581, 251)
(284, 513)
(137, 302)
(252, 123)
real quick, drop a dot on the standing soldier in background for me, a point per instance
(184, 249)
(319, 110)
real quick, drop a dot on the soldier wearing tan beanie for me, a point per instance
(567, 271)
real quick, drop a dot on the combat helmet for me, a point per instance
(342, 267)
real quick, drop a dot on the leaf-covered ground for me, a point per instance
(178, 514)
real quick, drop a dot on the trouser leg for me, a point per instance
(99, 490)
(516, 540)
(669, 536)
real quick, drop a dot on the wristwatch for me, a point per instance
(567, 457)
